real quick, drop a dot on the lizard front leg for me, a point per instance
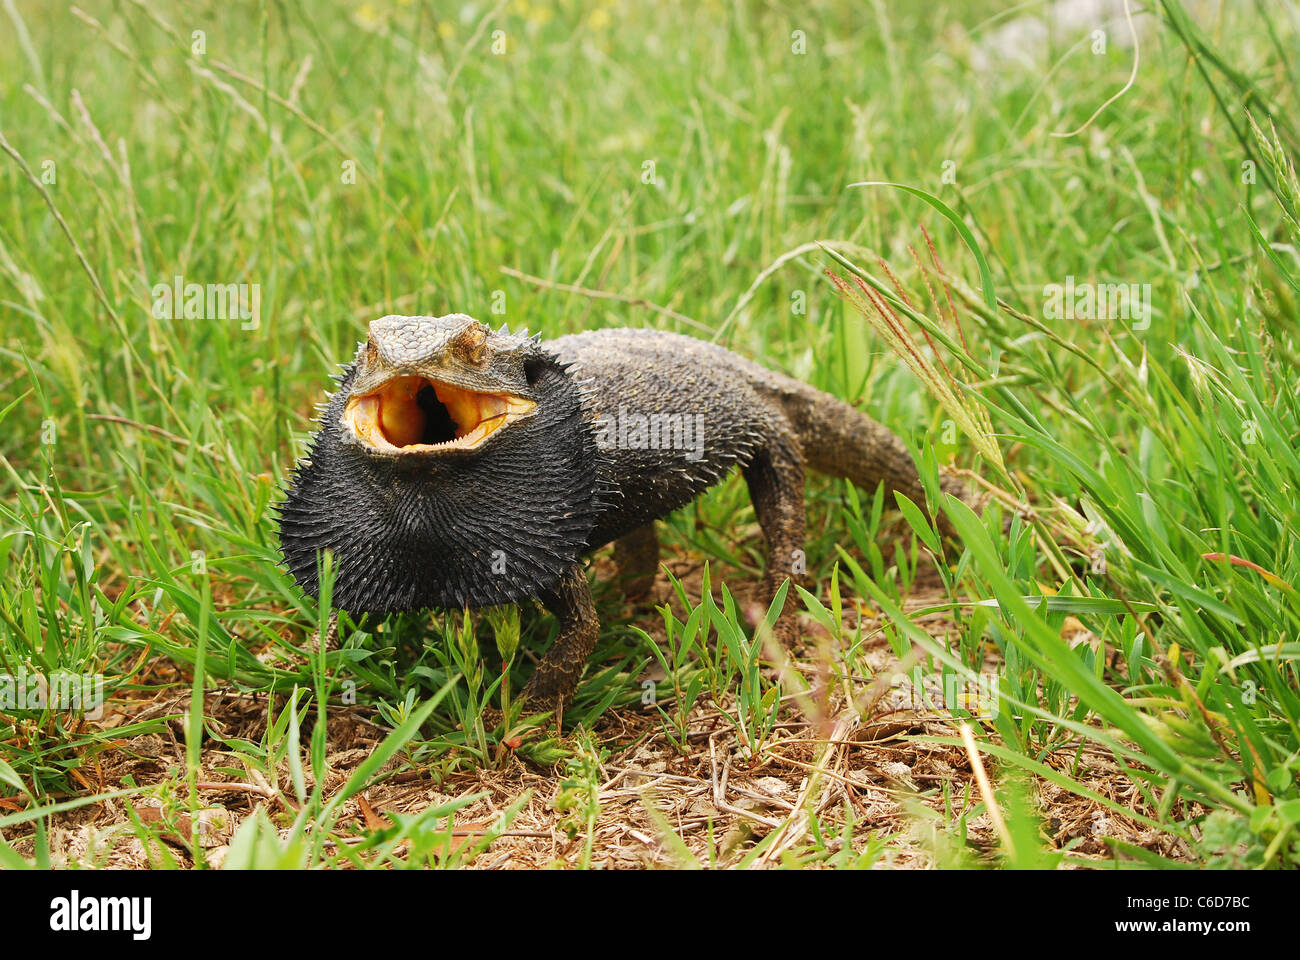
(636, 556)
(775, 477)
(556, 678)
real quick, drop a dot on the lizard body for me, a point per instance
(457, 466)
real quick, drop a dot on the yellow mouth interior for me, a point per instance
(415, 415)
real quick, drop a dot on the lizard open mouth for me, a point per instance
(419, 415)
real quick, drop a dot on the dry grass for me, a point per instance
(877, 764)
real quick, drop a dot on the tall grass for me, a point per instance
(1180, 548)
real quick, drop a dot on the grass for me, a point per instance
(1132, 587)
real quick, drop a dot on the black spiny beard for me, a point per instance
(496, 526)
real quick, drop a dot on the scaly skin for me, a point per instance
(569, 467)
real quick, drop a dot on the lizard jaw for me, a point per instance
(415, 414)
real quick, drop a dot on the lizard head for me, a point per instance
(455, 466)
(436, 386)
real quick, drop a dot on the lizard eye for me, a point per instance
(472, 343)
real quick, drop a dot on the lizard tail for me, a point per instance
(841, 441)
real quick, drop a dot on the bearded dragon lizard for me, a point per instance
(461, 467)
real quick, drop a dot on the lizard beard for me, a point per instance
(410, 532)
